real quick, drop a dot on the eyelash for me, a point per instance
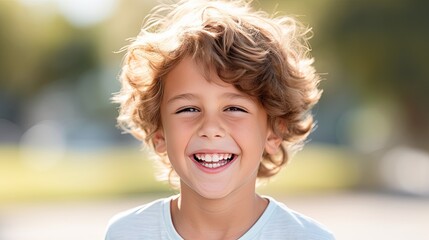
(187, 109)
(235, 109)
(193, 109)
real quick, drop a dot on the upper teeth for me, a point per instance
(213, 157)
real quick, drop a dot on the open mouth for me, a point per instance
(216, 160)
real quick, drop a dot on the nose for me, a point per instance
(211, 127)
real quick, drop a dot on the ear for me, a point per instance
(158, 140)
(272, 144)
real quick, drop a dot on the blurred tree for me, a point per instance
(38, 47)
(72, 58)
(383, 47)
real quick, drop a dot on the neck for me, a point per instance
(228, 217)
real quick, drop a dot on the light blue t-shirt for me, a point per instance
(153, 221)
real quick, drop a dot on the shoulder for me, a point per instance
(129, 223)
(285, 221)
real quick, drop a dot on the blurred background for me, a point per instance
(65, 168)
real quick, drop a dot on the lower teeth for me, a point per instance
(214, 165)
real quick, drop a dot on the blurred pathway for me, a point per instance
(349, 215)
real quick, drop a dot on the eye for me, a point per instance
(235, 109)
(187, 110)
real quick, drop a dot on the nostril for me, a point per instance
(212, 133)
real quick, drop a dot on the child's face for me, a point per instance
(214, 135)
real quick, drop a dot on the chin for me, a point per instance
(212, 192)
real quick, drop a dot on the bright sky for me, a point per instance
(80, 13)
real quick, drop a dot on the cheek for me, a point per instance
(177, 138)
(251, 134)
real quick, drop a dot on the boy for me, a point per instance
(223, 94)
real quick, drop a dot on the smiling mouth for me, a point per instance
(212, 161)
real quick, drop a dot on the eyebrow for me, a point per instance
(232, 95)
(229, 95)
(184, 96)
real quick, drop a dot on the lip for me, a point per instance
(212, 170)
(211, 151)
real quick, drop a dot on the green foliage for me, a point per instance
(382, 49)
(37, 48)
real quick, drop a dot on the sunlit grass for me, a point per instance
(316, 168)
(125, 171)
(77, 175)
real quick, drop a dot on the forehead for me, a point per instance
(188, 75)
(186, 82)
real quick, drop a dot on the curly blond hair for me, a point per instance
(266, 57)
